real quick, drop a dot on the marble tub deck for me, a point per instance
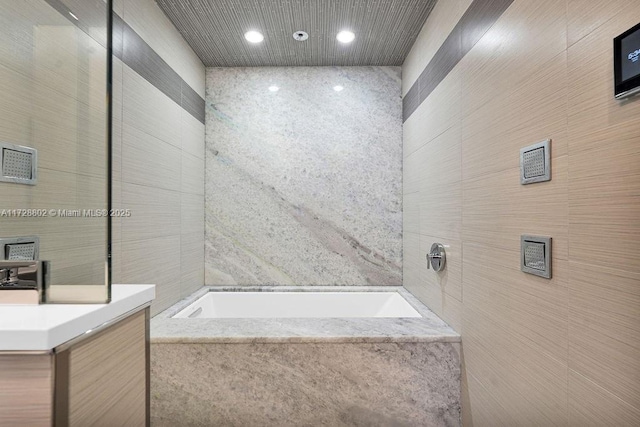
(355, 372)
(428, 328)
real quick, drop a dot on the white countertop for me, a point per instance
(46, 326)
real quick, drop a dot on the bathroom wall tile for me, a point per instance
(306, 384)
(162, 122)
(594, 114)
(442, 158)
(541, 352)
(411, 260)
(116, 120)
(55, 190)
(69, 136)
(497, 209)
(411, 213)
(529, 306)
(146, 18)
(77, 266)
(192, 133)
(118, 7)
(148, 64)
(526, 36)
(448, 281)
(192, 181)
(70, 62)
(441, 21)
(603, 203)
(149, 161)
(483, 409)
(591, 405)
(155, 212)
(154, 261)
(536, 110)
(441, 210)
(192, 213)
(529, 386)
(160, 141)
(439, 112)
(442, 291)
(411, 175)
(604, 328)
(192, 102)
(116, 233)
(15, 107)
(289, 197)
(191, 263)
(585, 16)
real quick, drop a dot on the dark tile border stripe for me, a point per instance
(475, 22)
(131, 49)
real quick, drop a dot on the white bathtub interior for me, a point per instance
(298, 305)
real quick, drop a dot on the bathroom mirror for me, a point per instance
(55, 139)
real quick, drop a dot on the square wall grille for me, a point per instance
(535, 163)
(18, 164)
(19, 248)
(535, 254)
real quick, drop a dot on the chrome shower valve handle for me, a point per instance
(436, 257)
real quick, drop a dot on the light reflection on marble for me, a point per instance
(303, 185)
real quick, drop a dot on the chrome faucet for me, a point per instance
(22, 276)
(8, 276)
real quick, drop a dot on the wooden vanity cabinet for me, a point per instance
(98, 379)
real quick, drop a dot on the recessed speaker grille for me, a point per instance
(19, 248)
(535, 163)
(18, 164)
(536, 255)
(24, 251)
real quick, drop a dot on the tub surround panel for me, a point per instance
(536, 352)
(370, 384)
(303, 184)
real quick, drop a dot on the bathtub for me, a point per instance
(298, 305)
(277, 356)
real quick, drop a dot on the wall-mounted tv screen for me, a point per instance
(626, 57)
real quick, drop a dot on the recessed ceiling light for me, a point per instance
(253, 36)
(345, 37)
(338, 88)
(273, 88)
(73, 16)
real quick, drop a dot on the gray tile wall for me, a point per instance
(158, 141)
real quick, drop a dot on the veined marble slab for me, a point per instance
(304, 184)
(313, 384)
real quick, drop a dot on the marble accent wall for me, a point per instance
(303, 184)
